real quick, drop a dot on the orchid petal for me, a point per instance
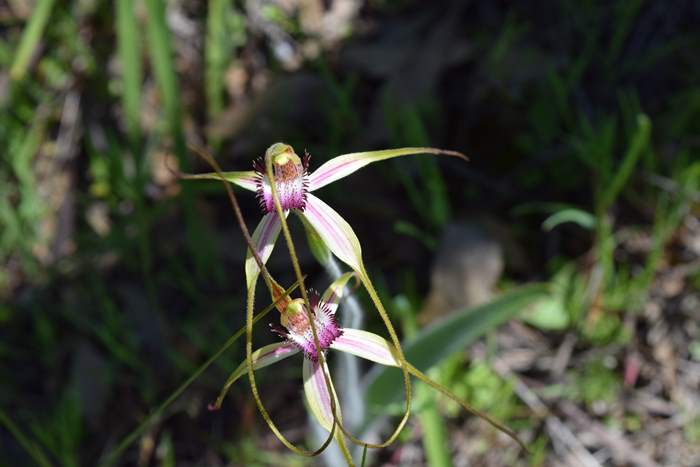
(264, 356)
(247, 179)
(264, 238)
(334, 293)
(366, 345)
(316, 393)
(335, 232)
(342, 166)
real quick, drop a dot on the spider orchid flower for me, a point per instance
(295, 186)
(296, 331)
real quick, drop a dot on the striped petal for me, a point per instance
(264, 238)
(334, 293)
(316, 393)
(366, 345)
(264, 356)
(344, 165)
(335, 232)
(247, 179)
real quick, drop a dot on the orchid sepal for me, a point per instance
(335, 232)
(316, 393)
(264, 238)
(247, 179)
(336, 291)
(366, 345)
(264, 356)
(342, 166)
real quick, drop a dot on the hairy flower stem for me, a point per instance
(250, 301)
(377, 303)
(305, 296)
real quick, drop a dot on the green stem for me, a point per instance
(30, 38)
(305, 296)
(249, 314)
(131, 437)
(404, 365)
(32, 449)
(443, 390)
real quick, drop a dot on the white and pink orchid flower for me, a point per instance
(296, 330)
(294, 186)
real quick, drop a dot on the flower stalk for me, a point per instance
(283, 184)
(250, 302)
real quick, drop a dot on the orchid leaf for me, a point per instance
(441, 339)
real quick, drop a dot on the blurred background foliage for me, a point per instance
(581, 119)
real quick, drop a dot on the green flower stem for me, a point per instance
(131, 437)
(305, 296)
(443, 390)
(435, 440)
(250, 299)
(364, 278)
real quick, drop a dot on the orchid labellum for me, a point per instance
(295, 329)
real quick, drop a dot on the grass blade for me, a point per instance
(164, 71)
(31, 447)
(30, 38)
(128, 43)
(215, 57)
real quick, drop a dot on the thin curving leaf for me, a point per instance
(573, 215)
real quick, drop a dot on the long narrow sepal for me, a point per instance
(344, 165)
(264, 356)
(334, 293)
(366, 345)
(247, 179)
(316, 392)
(264, 238)
(334, 231)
